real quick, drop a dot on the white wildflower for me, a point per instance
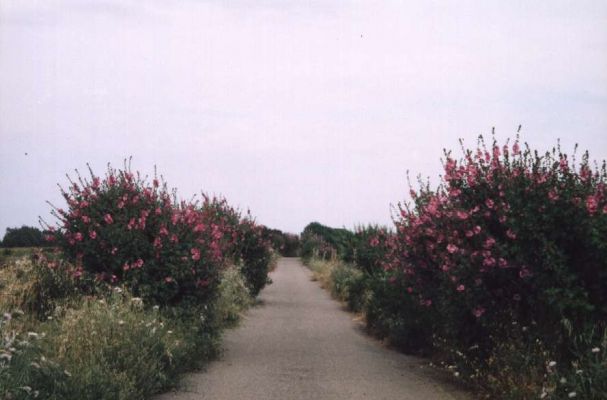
(571, 395)
(552, 363)
(33, 335)
(563, 380)
(595, 350)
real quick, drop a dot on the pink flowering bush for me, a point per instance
(372, 248)
(121, 229)
(511, 237)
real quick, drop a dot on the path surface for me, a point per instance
(300, 344)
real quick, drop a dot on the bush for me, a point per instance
(121, 229)
(26, 236)
(37, 285)
(372, 248)
(494, 248)
(318, 240)
(233, 297)
(256, 255)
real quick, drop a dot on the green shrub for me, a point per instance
(256, 255)
(233, 296)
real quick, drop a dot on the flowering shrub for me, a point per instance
(122, 229)
(256, 255)
(509, 235)
(510, 238)
(372, 248)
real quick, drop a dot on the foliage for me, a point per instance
(286, 244)
(122, 229)
(318, 240)
(256, 255)
(372, 248)
(26, 236)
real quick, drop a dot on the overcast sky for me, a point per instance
(298, 110)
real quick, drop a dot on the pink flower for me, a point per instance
(195, 254)
(108, 219)
(86, 219)
(93, 235)
(374, 242)
(114, 250)
(168, 279)
(461, 288)
(462, 215)
(489, 203)
(592, 204)
(489, 262)
(478, 312)
(489, 243)
(126, 267)
(516, 150)
(78, 236)
(451, 248)
(552, 195)
(511, 234)
(121, 204)
(477, 229)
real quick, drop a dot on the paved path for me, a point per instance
(299, 344)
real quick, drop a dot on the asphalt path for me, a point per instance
(300, 344)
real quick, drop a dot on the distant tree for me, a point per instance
(26, 236)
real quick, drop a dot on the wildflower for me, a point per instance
(571, 395)
(489, 203)
(32, 335)
(451, 248)
(461, 288)
(108, 219)
(66, 372)
(195, 254)
(78, 236)
(93, 235)
(121, 322)
(552, 364)
(563, 380)
(595, 350)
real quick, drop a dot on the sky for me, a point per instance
(297, 110)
